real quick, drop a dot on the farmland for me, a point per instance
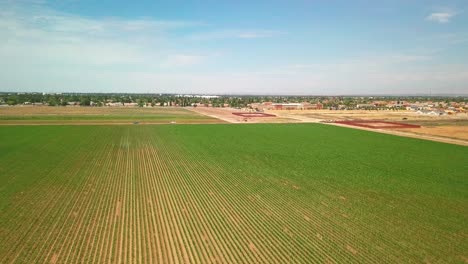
(258, 193)
(93, 115)
(433, 127)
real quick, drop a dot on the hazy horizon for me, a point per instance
(251, 48)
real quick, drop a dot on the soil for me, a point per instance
(54, 259)
(376, 124)
(405, 116)
(118, 208)
(451, 129)
(252, 247)
(226, 114)
(455, 132)
(402, 132)
(351, 249)
(254, 114)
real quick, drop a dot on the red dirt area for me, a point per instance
(253, 115)
(376, 124)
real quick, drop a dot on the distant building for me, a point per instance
(365, 106)
(285, 106)
(432, 112)
(114, 104)
(308, 106)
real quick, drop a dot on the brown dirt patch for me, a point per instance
(54, 259)
(406, 133)
(252, 247)
(450, 129)
(457, 132)
(376, 124)
(351, 249)
(226, 114)
(288, 232)
(387, 115)
(390, 116)
(118, 208)
(253, 114)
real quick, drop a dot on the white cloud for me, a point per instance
(38, 35)
(441, 17)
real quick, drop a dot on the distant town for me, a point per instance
(431, 105)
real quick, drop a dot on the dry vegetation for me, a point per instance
(31, 115)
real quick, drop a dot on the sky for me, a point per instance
(297, 47)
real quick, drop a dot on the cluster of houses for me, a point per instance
(423, 108)
(285, 106)
(207, 105)
(121, 104)
(115, 104)
(426, 108)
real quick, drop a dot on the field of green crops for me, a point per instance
(265, 193)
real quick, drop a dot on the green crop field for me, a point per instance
(265, 193)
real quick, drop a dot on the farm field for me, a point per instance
(387, 115)
(438, 128)
(227, 115)
(100, 115)
(258, 193)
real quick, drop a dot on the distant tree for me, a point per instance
(85, 101)
(52, 101)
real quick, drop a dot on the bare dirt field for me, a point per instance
(406, 116)
(377, 124)
(227, 115)
(459, 132)
(448, 128)
(429, 135)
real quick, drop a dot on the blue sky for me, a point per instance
(235, 47)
